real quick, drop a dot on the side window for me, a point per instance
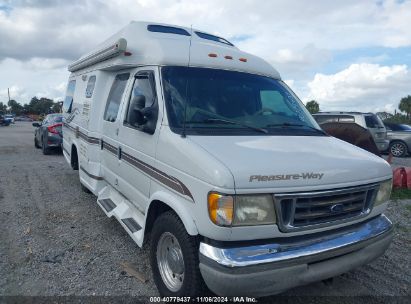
(68, 101)
(90, 86)
(114, 97)
(346, 119)
(142, 110)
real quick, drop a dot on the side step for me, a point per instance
(116, 205)
(107, 204)
(131, 224)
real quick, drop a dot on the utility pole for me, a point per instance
(8, 92)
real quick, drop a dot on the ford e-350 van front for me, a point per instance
(203, 149)
(317, 200)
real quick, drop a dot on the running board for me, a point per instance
(131, 224)
(107, 204)
(115, 204)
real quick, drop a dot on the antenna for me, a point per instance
(183, 134)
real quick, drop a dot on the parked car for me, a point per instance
(9, 118)
(3, 120)
(369, 121)
(202, 149)
(399, 136)
(48, 133)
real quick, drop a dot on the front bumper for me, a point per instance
(266, 269)
(383, 145)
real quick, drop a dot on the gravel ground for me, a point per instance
(55, 240)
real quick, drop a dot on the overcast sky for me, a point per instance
(347, 55)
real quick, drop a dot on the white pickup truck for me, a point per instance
(202, 148)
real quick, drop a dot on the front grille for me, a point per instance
(300, 211)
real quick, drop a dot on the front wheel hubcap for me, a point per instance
(397, 149)
(170, 261)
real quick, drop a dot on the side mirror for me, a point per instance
(36, 124)
(137, 118)
(142, 117)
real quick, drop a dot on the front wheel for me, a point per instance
(174, 258)
(398, 149)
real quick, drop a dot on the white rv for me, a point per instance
(202, 148)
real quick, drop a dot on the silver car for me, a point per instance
(369, 121)
(399, 136)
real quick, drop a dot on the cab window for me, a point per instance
(142, 99)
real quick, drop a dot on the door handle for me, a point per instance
(119, 153)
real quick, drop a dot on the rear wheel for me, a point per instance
(174, 258)
(45, 148)
(398, 149)
(36, 144)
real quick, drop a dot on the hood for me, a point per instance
(313, 162)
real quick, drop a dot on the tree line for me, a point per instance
(36, 106)
(402, 116)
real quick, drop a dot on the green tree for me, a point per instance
(15, 107)
(3, 108)
(405, 105)
(313, 107)
(57, 106)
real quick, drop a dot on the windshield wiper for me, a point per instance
(286, 124)
(232, 122)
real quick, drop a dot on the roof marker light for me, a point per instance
(228, 57)
(212, 55)
(243, 59)
(127, 54)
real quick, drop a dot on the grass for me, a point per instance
(399, 194)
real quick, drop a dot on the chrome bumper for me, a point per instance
(260, 269)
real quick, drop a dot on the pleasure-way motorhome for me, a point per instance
(202, 148)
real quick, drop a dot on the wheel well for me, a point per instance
(397, 141)
(74, 158)
(156, 208)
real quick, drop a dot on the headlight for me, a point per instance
(384, 192)
(241, 210)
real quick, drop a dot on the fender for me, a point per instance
(179, 205)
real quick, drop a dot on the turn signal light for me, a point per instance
(220, 208)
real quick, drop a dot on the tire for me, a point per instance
(398, 149)
(46, 150)
(169, 235)
(36, 144)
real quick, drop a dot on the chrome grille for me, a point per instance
(300, 211)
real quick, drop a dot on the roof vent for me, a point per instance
(167, 29)
(213, 38)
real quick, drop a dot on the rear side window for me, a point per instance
(321, 119)
(90, 86)
(68, 101)
(115, 96)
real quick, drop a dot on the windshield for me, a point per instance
(211, 101)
